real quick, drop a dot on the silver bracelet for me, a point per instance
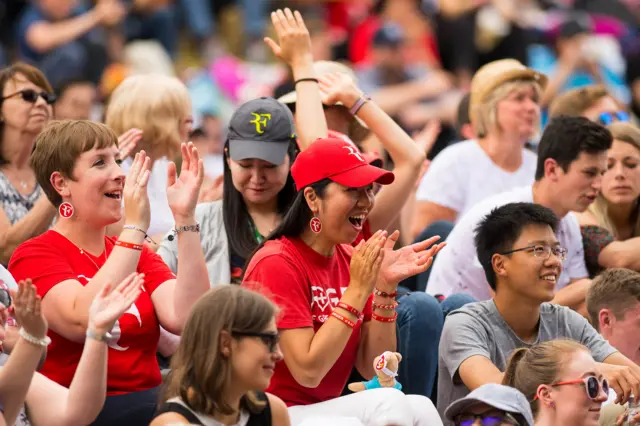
(44, 342)
(135, 228)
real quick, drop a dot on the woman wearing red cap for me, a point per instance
(338, 309)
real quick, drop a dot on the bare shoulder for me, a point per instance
(279, 411)
(586, 219)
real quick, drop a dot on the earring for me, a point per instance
(316, 225)
(65, 210)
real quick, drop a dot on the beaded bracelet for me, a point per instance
(128, 245)
(384, 319)
(389, 307)
(347, 321)
(384, 294)
(351, 309)
(44, 342)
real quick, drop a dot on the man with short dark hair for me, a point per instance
(522, 260)
(572, 156)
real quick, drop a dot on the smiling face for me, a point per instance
(252, 361)
(96, 188)
(519, 112)
(343, 211)
(21, 115)
(621, 182)
(571, 402)
(257, 180)
(525, 274)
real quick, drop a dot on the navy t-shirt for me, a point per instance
(31, 15)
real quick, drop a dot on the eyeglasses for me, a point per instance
(5, 298)
(31, 96)
(543, 252)
(270, 340)
(591, 384)
(607, 118)
(492, 419)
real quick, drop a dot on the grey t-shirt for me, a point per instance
(479, 329)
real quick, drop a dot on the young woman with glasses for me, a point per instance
(225, 361)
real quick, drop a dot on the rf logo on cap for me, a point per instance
(260, 121)
(354, 151)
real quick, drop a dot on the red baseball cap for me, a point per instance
(372, 158)
(338, 160)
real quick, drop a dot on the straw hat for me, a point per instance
(493, 75)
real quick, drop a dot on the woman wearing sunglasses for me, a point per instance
(26, 105)
(225, 361)
(611, 226)
(562, 382)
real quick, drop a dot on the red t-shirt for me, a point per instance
(50, 259)
(306, 286)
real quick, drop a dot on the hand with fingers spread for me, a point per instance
(136, 200)
(406, 261)
(28, 311)
(183, 191)
(365, 263)
(339, 88)
(293, 36)
(127, 142)
(109, 305)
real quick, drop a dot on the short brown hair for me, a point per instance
(33, 74)
(199, 373)
(58, 147)
(576, 101)
(616, 289)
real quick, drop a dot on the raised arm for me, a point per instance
(308, 355)
(407, 157)
(54, 405)
(16, 374)
(31, 225)
(295, 50)
(173, 299)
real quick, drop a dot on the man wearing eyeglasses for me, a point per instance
(522, 259)
(572, 157)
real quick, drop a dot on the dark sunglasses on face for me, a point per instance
(270, 340)
(607, 118)
(492, 419)
(31, 96)
(5, 298)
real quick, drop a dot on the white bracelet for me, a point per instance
(44, 342)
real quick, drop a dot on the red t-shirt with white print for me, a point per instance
(50, 259)
(306, 286)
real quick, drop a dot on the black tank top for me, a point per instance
(262, 418)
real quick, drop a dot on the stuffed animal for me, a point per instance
(386, 368)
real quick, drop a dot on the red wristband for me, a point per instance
(128, 245)
(389, 307)
(351, 309)
(384, 294)
(384, 319)
(347, 321)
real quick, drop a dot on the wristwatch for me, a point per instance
(92, 334)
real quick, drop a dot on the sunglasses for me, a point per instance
(31, 96)
(607, 118)
(5, 298)
(270, 340)
(486, 419)
(591, 384)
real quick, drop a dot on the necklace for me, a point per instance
(89, 257)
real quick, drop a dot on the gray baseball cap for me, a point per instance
(261, 128)
(494, 395)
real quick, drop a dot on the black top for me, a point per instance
(263, 418)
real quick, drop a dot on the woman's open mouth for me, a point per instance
(116, 195)
(357, 221)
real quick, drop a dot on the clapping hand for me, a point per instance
(406, 262)
(293, 35)
(366, 260)
(127, 142)
(109, 305)
(136, 200)
(183, 191)
(26, 305)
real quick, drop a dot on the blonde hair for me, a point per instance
(199, 373)
(58, 147)
(487, 110)
(155, 104)
(630, 134)
(541, 364)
